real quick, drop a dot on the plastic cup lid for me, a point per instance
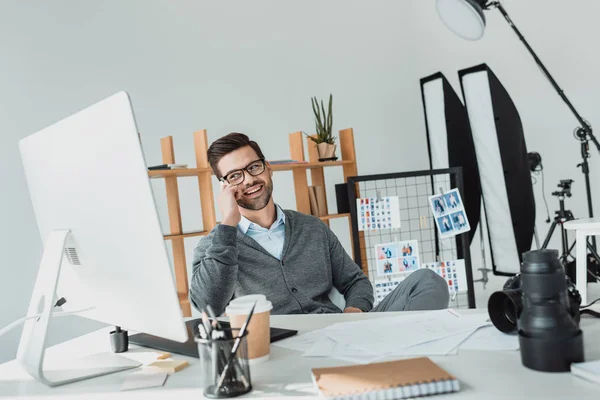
(251, 298)
(242, 305)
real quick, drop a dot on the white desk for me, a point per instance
(583, 228)
(483, 375)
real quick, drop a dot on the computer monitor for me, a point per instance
(103, 243)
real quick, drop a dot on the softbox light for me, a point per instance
(503, 167)
(449, 140)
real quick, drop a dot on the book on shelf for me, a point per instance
(318, 201)
(321, 200)
(276, 162)
(314, 207)
(167, 166)
(400, 379)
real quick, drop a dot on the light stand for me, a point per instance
(466, 19)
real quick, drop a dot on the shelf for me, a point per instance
(180, 172)
(165, 173)
(309, 165)
(333, 216)
(185, 235)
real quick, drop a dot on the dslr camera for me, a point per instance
(565, 185)
(542, 305)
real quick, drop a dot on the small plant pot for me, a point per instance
(326, 151)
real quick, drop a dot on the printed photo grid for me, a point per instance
(375, 213)
(385, 286)
(449, 213)
(397, 257)
(453, 272)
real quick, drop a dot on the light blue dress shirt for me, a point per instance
(270, 239)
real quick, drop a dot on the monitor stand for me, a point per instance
(32, 347)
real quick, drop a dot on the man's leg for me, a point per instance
(421, 290)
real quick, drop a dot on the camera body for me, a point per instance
(505, 306)
(565, 185)
(542, 304)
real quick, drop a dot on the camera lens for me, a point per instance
(504, 309)
(549, 336)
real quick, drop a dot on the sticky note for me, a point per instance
(169, 366)
(144, 379)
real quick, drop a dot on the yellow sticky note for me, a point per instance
(169, 366)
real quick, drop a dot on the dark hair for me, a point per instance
(225, 145)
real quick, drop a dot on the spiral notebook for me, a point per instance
(400, 379)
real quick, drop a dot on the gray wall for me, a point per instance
(252, 66)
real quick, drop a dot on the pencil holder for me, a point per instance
(224, 373)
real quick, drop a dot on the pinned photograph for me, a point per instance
(437, 205)
(385, 286)
(452, 199)
(449, 212)
(410, 263)
(381, 213)
(386, 251)
(459, 220)
(453, 272)
(402, 265)
(404, 256)
(387, 266)
(409, 254)
(445, 225)
(409, 248)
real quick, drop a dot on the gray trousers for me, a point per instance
(421, 290)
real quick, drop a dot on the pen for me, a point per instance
(206, 324)
(215, 321)
(236, 345)
(202, 331)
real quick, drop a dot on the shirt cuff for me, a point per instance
(362, 304)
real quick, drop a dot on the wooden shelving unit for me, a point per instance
(184, 235)
(204, 175)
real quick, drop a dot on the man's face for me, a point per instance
(254, 192)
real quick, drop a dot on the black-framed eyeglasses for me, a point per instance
(236, 177)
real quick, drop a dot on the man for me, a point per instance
(292, 258)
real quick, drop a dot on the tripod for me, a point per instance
(562, 216)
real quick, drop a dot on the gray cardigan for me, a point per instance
(229, 264)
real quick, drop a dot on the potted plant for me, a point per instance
(323, 123)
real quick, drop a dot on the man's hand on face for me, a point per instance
(352, 310)
(228, 205)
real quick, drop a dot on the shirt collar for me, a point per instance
(246, 224)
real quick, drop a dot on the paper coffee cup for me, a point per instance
(259, 328)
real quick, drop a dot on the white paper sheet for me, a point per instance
(301, 342)
(489, 338)
(328, 347)
(435, 333)
(390, 334)
(440, 347)
(143, 379)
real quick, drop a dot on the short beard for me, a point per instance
(260, 202)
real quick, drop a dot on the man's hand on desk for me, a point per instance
(352, 310)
